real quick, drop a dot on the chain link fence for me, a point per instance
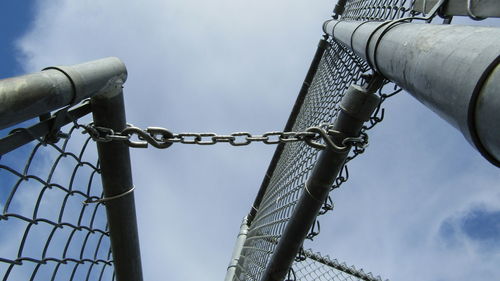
(48, 229)
(338, 69)
(378, 10)
(314, 266)
(296, 161)
(53, 201)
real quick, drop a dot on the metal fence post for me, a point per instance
(28, 96)
(109, 111)
(356, 108)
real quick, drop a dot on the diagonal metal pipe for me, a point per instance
(452, 69)
(356, 107)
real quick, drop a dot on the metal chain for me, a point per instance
(163, 138)
(376, 118)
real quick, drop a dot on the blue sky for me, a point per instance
(421, 203)
(15, 20)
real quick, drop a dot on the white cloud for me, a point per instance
(417, 172)
(228, 66)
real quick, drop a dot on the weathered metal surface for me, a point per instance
(28, 96)
(109, 111)
(449, 68)
(486, 112)
(235, 257)
(357, 106)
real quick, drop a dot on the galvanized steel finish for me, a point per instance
(47, 229)
(67, 209)
(28, 96)
(284, 183)
(338, 69)
(55, 206)
(452, 69)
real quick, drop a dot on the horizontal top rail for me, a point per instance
(28, 96)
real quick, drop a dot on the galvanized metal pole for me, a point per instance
(109, 111)
(356, 108)
(28, 96)
(240, 241)
(452, 69)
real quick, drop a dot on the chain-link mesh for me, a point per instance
(46, 229)
(338, 69)
(316, 267)
(53, 235)
(377, 10)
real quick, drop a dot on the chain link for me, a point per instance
(163, 138)
(360, 143)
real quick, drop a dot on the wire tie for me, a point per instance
(106, 199)
(310, 194)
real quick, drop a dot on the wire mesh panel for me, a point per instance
(314, 266)
(48, 229)
(338, 69)
(297, 160)
(376, 10)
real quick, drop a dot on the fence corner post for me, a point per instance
(109, 111)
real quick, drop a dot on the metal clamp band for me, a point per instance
(74, 99)
(354, 31)
(310, 194)
(388, 25)
(470, 13)
(471, 114)
(333, 29)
